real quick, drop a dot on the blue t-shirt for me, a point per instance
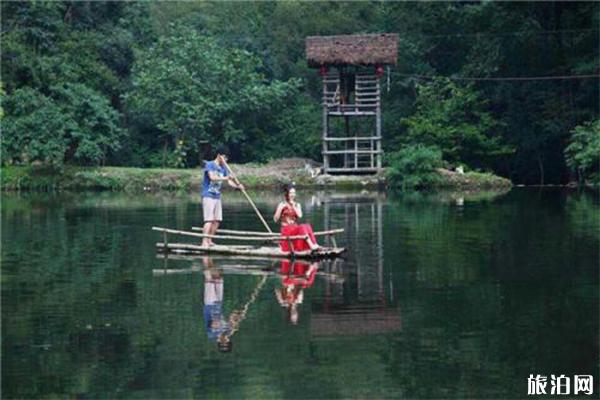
(213, 314)
(210, 188)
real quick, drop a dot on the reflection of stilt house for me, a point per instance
(358, 305)
(351, 66)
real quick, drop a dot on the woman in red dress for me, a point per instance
(288, 212)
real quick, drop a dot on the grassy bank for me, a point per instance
(470, 180)
(101, 178)
(252, 175)
(106, 178)
(161, 179)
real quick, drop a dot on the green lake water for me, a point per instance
(438, 296)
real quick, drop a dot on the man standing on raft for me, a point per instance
(215, 172)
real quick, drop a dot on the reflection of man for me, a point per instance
(217, 327)
(296, 276)
(215, 172)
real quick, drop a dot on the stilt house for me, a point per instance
(351, 67)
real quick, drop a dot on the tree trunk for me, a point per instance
(541, 165)
(164, 160)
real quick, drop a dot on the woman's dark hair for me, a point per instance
(286, 189)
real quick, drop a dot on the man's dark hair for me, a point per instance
(225, 347)
(220, 150)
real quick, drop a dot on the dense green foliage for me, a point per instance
(76, 123)
(192, 89)
(454, 119)
(414, 166)
(147, 83)
(422, 167)
(583, 151)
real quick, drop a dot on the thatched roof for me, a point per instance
(362, 323)
(352, 49)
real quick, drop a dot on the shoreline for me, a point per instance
(259, 176)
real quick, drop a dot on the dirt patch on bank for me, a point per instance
(302, 171)
(293, 163)
(282, 170)
(473, 180)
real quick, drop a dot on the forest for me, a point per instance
(508, 88)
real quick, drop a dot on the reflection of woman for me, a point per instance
(288, 212)
(296, 277)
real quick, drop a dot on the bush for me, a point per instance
(455, 119)
(414, 167)
(34, 129)
(74, 124)
(583, 152)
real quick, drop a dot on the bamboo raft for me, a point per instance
(241, 269)
(259, 250)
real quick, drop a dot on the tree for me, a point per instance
(76, 125)
(583, 152)
(34, 129)
(454, 118)
(95, 129)
(192, 88)
(50, 44)
(414, 166)
(293, 131)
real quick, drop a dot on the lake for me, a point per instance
(439, 296)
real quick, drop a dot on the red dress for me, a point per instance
(291, 228)
(295, 273)
(297, 276)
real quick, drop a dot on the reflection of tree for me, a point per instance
(59, 298)
(446, 243)
(492, 294)
(583, 210)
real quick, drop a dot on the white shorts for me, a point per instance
(211, 209)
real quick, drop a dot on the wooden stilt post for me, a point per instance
(325, 127)
(326, 215)
(355, 153)
(333, 241)
(378, 129)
